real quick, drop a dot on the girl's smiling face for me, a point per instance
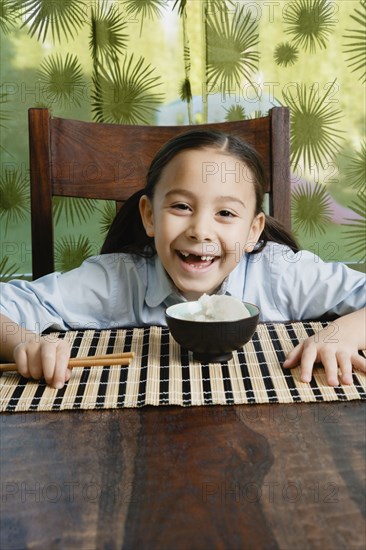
(202, 218)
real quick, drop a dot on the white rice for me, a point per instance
(216, 308)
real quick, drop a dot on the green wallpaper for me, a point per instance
(188, 61)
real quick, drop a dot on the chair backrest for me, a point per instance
(71, 158)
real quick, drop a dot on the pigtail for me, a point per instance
(127, 233)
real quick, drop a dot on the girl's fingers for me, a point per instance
(308, 359)
(35, 364)
(48, 360)
(61, 372)
(329, 360)
(359, 362)
(307, 353)
(345, 365)
(21, 359)
(29, 360)
(293, 358)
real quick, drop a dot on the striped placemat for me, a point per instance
(161, 373)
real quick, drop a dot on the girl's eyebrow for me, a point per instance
(229, 198)
(178, 191)
(219, 198)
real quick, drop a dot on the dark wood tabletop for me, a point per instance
(230, 477)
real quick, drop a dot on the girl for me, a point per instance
(197, 227)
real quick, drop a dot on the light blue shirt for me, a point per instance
(120, 290)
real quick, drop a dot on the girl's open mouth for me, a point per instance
(194, 261)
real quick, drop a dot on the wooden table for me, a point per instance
(232, 477)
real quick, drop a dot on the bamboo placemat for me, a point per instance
(161, 373)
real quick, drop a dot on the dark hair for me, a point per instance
(127, 233)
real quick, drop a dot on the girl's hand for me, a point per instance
(45, 358)
(336, 351)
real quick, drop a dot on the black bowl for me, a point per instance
(211, 341)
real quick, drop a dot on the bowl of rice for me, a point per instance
(213, 326)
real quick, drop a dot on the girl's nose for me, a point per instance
(200, 230)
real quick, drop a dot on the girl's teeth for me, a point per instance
(203, 258)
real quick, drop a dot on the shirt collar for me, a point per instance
(159, 286)
(235, 282)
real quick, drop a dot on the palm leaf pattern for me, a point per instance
(125, 95)
(311, 209)
(356, 42)
(231, 48)
(185, 88)
(14, 197)
(60, 17)
(144, 8)
(8, 16)
(355, 231)
(108, 215)
(70, 253)
(314, 137)
(235, 112)
(108, 31)
(185, 91)
(182, 4)
(74, 210)
(356, 170)
(309, 22)
(285, 54)
(62, 80)
(4, 114)
(7, 271)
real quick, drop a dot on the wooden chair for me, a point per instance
(109, 161)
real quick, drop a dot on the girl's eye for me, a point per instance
(181, 206)
(226, 214)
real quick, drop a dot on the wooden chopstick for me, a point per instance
(89, 361)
